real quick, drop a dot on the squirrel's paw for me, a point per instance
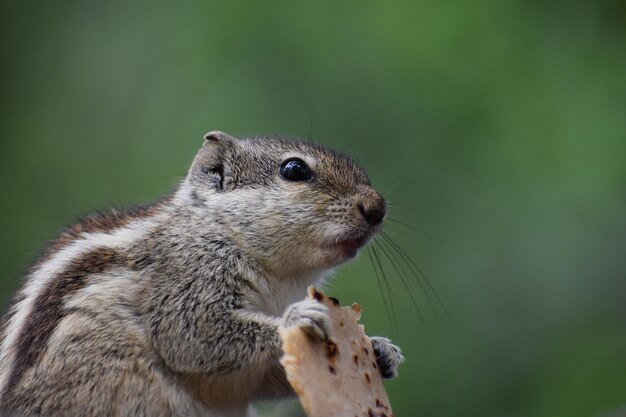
(311, 316)
(388, 356)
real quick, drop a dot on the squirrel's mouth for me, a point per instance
(350, 247)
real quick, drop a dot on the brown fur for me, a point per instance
(101, 222)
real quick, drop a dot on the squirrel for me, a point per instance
(172, 309)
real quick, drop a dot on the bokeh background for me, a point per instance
(497, 127)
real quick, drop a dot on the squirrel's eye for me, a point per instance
(295, 170)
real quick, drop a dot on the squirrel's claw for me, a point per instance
(388, 356)
(311, 316)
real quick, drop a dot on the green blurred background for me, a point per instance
(499, 127)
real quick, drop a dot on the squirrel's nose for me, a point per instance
(373, 210)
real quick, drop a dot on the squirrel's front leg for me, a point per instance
(215, 339)
(204, 330)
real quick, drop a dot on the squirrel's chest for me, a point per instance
(281, 294)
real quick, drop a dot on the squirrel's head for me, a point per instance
(295, 206)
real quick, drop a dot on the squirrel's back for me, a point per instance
(76, 319)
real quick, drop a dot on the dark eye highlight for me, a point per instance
(295, 169)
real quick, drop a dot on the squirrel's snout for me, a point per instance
(373, 208)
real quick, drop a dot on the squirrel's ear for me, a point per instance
(208, 166)
(218, 136)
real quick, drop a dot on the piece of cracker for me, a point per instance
(338, 377)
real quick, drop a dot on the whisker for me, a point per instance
(380, 287)
(413, 266)
(310, 136)
(403, 279)
(407, 177)
(392, 297)
(417, 277)
(415, 229)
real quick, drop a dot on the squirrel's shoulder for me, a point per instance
(104, 221)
